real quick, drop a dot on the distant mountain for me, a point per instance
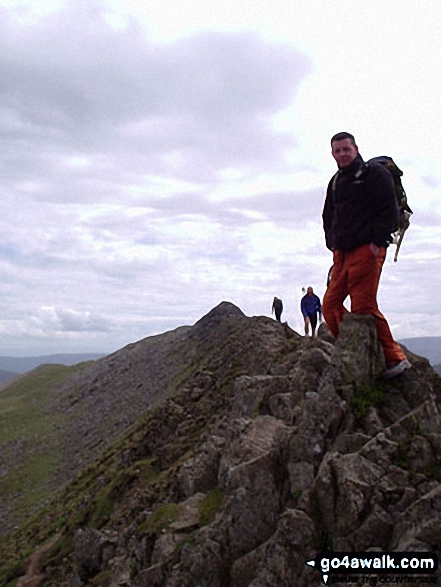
(24, 364)
(426, 346)
(6, 375)
(438, 368)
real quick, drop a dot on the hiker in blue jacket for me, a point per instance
(310, 307)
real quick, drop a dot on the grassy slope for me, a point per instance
(26, 421)
(89, 502)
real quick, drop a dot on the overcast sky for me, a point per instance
(160, 157)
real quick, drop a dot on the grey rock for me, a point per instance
(252, 393)
(248, 475)
(301, 475)
(188, 517)
(199, 474)
(343, 489)
(88, 551)
(420, 521)
(151, 577)
(357, 356)
(286, 552)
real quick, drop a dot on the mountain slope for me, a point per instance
(266, 448)
(24, 364)
(426, 346)
(30, 441)
(82, 410)
(6, 376)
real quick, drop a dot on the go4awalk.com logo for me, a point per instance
(374, 563)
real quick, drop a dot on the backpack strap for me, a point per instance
(357, 175)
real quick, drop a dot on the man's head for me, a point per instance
(344, 149)
(310, 291)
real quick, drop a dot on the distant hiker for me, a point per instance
(310, 306)
(277, 308)
(359, 215)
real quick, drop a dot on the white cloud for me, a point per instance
(54, 320)
(160, 157)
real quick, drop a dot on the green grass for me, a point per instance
(161, 519)
(23, 403)
(103, 579)
(30, 438)
(210, 505)
(62, 548)
(31, 480)
(366, 397)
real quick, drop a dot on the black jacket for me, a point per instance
(360, 207)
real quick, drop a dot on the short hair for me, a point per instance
(341, 136)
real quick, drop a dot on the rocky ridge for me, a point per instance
(272, 448)
(83, 410)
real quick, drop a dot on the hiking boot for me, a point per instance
(397, 369)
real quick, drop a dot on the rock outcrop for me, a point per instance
(278, 447)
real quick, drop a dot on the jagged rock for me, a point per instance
(202, 565)
(348, 443)
(421, 521)
(319, 417)
(244, 569)
(165, 545)
(151, 577)
(301, 475)
(420, 454)
(247, 473)
(199, 474)
(425, 418)
(357, 356)
(373, 422)
(268, 419)
(305, 366)
(323, 333)
(253, 506)
(188, 514)
(276, 395)
(343, 490)
(283, 559)
(88, 551)
(202, 382)
(75, 580)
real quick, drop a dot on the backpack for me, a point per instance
(405, 211)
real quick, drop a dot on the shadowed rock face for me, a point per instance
(300, 446)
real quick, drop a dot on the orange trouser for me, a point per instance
(357, 273)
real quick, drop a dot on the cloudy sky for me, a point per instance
(160, 157)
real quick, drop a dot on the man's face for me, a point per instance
(344, 152)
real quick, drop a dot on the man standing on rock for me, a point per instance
(359, 215)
